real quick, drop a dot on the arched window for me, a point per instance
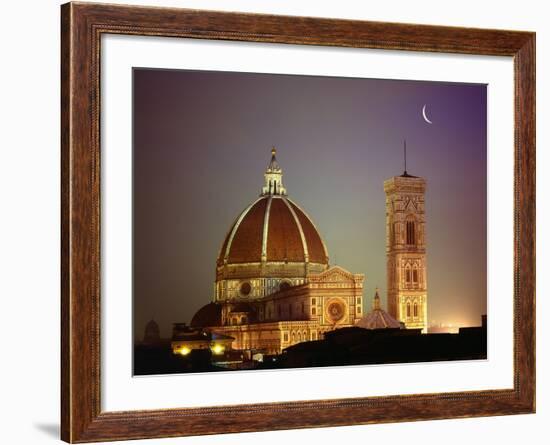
(284, 285)
(299, 336)
(415, 275)
(408, 309)
(415, 309)
(408, 274)
(411, 233)
(293, 337)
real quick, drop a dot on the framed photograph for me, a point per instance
(274, 222)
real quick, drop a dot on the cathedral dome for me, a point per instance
(273, 229)
(271, 246)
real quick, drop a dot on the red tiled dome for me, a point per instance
(378, 318)
(273, 229)
(208, 315)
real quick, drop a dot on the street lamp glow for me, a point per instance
(217, 349)
(184, 350)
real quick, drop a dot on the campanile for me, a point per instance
(406, 250)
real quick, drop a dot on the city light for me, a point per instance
(184, 350)
(217, 349)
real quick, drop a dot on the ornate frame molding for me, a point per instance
(81, 28)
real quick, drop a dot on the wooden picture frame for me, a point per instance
(82, 25)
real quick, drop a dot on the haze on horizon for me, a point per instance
(202, 142)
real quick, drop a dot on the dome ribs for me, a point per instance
(316, 248)
(273, 229)
(284, 242)
(221, 255)
(247, 241)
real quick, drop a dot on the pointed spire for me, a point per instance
(376, 301)
(273, 165)
(273, 177)
(405, 174)
(405, 156)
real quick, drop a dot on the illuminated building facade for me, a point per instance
(274, 286)
(186, 339)
(406, 250)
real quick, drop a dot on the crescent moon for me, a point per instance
(424, 115)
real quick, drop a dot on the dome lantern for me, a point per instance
(273, 177)
(376, 301)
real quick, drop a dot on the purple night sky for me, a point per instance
(202, 141)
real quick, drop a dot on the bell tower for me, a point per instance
(406, 249)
